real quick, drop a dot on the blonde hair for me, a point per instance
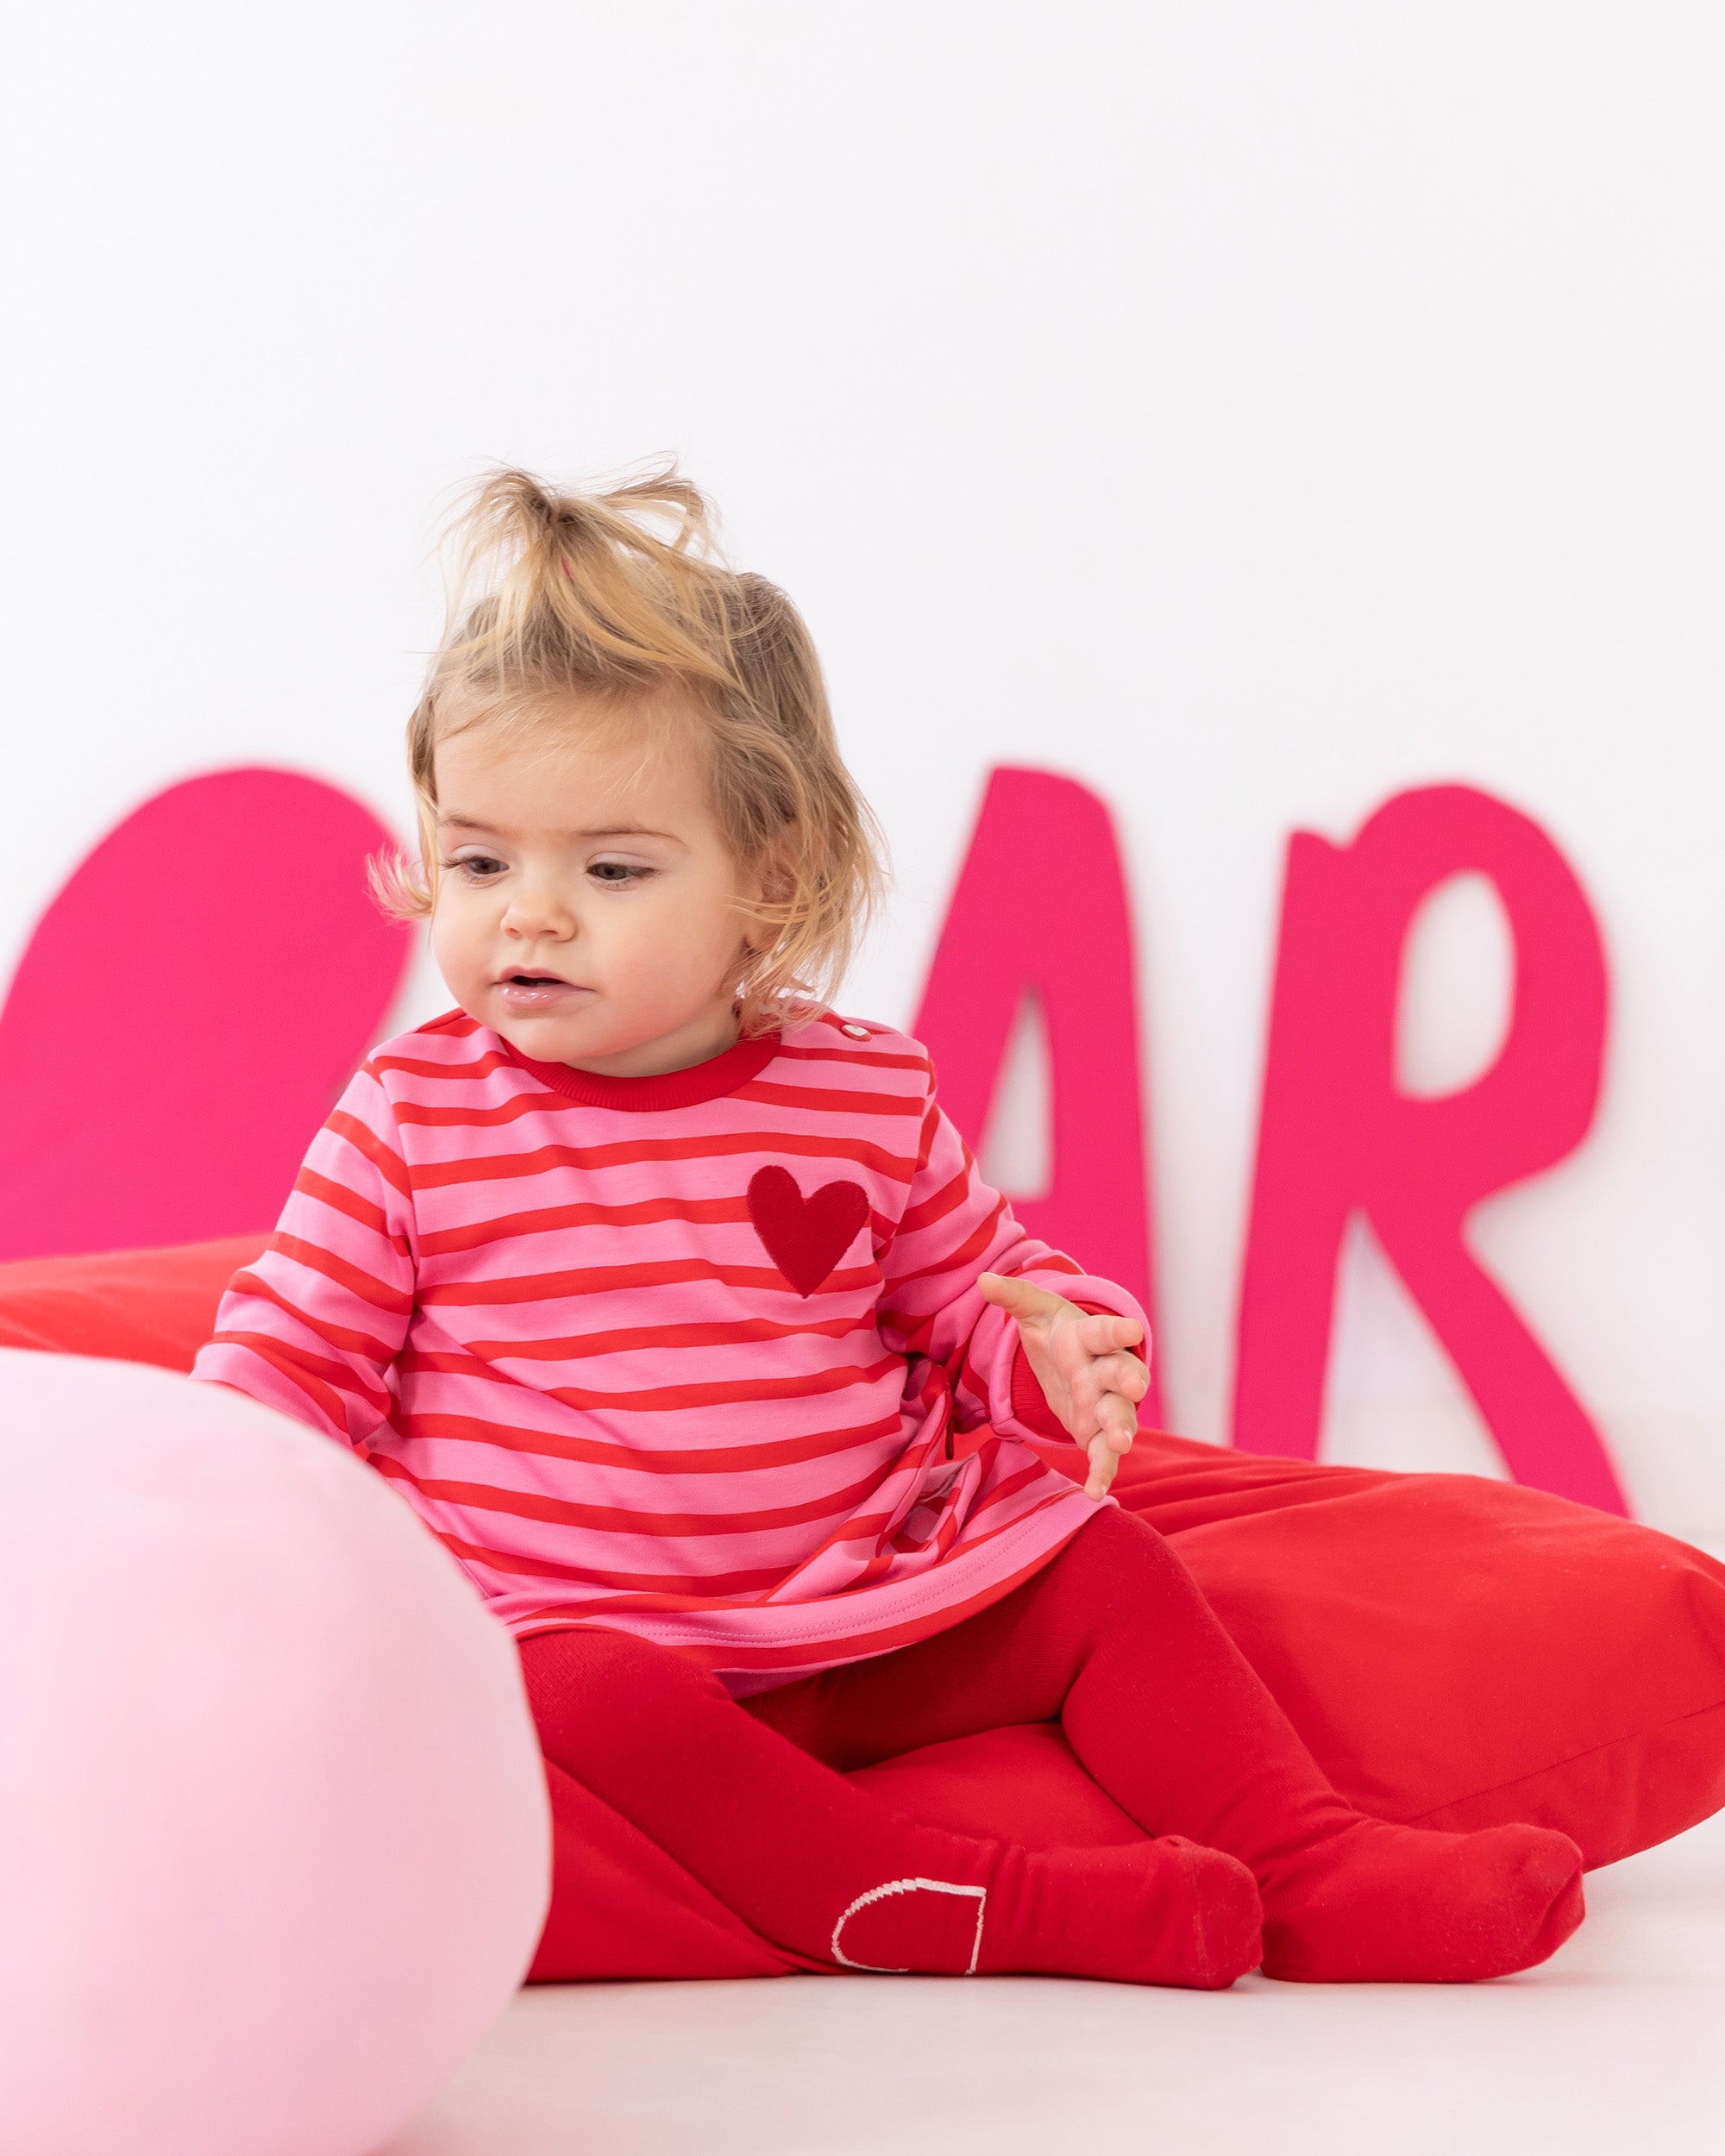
(617, 598)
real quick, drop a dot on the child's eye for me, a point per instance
(617, 872)
(473, 864)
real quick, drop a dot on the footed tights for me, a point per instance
(1252, 1855)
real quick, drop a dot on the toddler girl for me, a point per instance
(675, 1306)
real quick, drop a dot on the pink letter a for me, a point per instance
(1041, 905)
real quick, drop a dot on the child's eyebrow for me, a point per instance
(610, 830)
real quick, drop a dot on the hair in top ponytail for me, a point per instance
(611, 599)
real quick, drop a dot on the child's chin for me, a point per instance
(546, 1038)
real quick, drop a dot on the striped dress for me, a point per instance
(699, 1355)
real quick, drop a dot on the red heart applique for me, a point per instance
(804, 1237)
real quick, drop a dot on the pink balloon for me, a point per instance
(274, 1845)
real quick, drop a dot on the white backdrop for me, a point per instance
(1250, 409)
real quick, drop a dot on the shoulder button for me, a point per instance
(856, 1032)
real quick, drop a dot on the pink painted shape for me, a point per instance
(1336, 1136)
(1041, 903)
(186, 1013)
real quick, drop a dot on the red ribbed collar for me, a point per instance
(710, 1081)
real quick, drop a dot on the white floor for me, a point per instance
(1617, 2044)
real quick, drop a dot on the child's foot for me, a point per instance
(1381, 1904)
(1161, 1912)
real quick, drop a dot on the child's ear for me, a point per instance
(775, 883)
(761, 935)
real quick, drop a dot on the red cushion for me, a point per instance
(1459, 1651)
(131, 1305)
(1455, 1650)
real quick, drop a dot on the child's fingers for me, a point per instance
(1115, 1426)
(1119, 1375)
(1020, 1299)
(1104, 1466)
(1105, 1451)
(1102, 1334)
(1122, 1373)
(1116, 1422)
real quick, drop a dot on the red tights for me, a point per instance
(1253, 1856)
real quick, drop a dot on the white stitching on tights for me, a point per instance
(909, 1886)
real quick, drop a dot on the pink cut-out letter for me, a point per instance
(186, 1013)
(1041, 905)
(1336, 1136)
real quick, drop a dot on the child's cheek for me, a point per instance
(458, 949)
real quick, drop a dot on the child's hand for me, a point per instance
(1087, 1377)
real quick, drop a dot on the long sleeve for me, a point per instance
(954, 1227)
(314, 1325)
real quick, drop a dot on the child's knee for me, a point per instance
(1116, 1555)
(584, 1670)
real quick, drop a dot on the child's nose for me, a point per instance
(538, 911)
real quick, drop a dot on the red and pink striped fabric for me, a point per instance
(700, 1356)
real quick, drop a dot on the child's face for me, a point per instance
(591, 861)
